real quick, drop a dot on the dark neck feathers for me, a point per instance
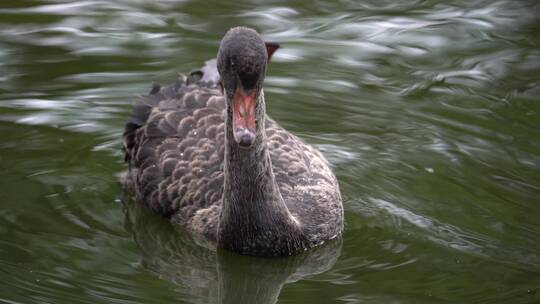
(254, 219)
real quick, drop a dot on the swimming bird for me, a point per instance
(204, 153)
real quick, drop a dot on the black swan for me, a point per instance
(204, 154)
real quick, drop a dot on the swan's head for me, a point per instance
(242, 60)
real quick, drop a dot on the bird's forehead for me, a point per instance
(249, 62)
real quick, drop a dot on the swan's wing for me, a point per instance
(306, 182)
(174, 146)
(210, 72)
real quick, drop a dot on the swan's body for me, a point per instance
(217, 165)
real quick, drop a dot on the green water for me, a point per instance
(429, 112)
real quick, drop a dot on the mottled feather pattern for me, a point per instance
(174, 145)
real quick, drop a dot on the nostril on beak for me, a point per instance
(242, 111)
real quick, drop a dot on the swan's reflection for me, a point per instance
(209, 276)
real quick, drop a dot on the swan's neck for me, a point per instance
(254, 219)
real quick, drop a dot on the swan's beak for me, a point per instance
(243, 107)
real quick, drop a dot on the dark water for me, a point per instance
(429, 112)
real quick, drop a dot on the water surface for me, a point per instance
(429, 112)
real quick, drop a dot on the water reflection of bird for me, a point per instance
(205, 275)
(204, 153)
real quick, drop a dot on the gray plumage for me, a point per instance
(277, 197)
